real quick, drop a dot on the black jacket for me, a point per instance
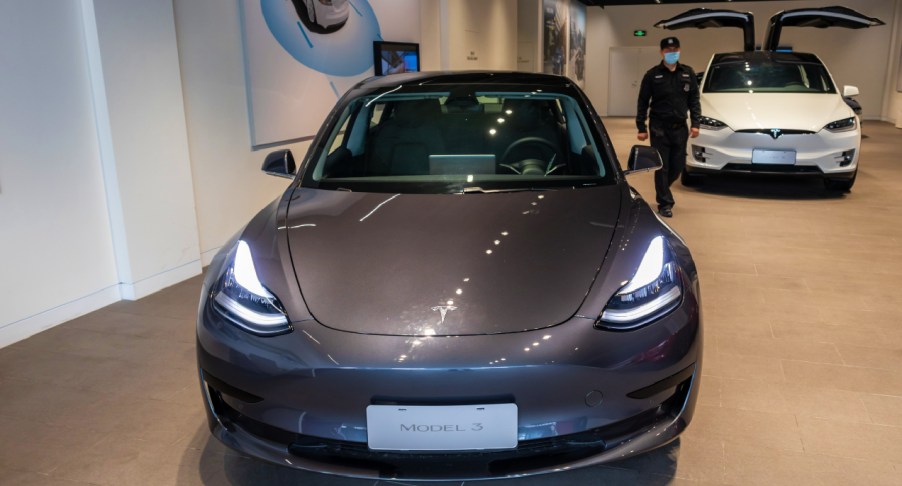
(670, 94)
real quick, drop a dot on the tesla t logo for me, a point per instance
(444, 309)
(775, 133)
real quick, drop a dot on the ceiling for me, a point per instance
(604, 3)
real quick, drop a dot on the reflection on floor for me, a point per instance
(802, 369)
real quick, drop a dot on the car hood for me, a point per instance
(448, 264)
(789, 111)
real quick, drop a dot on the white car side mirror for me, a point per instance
(850, 90)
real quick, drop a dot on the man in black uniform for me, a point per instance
(672, 90)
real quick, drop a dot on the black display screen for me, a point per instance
(395, 57)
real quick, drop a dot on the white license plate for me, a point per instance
(442, 428)
(782, 157)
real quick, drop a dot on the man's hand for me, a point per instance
(693, 132)
(643, 136)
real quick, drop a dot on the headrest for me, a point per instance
(526, 113)
(416, 112)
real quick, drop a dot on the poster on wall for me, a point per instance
(554, 36)
(576, 64)
(302, 55)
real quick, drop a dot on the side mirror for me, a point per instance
(643, 158)
(850, 90)
(280, 163)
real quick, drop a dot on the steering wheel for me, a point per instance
(530, 165)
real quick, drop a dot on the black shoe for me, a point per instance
(666, 212)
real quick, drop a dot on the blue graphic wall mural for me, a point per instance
(302, 55)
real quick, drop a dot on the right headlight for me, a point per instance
(843, 125)
(655, 290)
(709, 123)
(244, 301)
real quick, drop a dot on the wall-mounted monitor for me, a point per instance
(395, 57)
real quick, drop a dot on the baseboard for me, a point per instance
(160, 281)
(206, 257)
(22, 329)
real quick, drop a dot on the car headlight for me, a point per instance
(709, 123)
(655, 289)
(843, 125)
(244, 301)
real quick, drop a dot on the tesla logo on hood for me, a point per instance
(444, 309)
(775, 133)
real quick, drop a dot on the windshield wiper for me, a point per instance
(479, 190)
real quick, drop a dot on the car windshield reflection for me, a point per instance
(458, 142)
(768, 76)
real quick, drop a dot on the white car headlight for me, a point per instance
(244, 301)
(655, 289)
(843, 125)
(709, 123)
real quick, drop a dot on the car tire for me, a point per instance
(840, 185)
(691, 180)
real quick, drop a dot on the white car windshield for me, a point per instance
(768, 76)
(451, 142)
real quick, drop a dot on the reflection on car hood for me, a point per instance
(745, 111)
(448, 264)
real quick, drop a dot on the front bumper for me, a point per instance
(299, 399)
(824, 153)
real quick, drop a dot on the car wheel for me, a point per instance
(840, 185)
(691, 180)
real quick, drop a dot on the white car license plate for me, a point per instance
(782, 157)
(442, 428)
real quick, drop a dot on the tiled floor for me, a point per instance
(802, 370)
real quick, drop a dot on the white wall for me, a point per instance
(142, 121)
(431, 28)
(56, 255)
(892, 108)
(529, 36)
(601, 35)
(855, 57)
(229, 186)
(488, 29)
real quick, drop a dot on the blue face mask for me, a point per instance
(671, 57)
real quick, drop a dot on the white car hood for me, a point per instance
(793, 111)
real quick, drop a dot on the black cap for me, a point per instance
(670, 42)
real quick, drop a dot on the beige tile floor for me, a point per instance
(802, 370)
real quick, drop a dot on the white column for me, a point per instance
(133, 59)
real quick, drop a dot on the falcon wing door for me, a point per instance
(815, 17)
(702, 18)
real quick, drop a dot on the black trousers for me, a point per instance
(670, 141)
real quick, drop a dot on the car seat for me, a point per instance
(401, 145)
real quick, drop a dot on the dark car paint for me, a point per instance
(317, 380)
(456, 264)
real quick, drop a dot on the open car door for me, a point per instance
(701, 18)
(815, 17)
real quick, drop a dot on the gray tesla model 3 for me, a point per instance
(458, 283)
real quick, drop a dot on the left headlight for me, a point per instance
(655, 290)
(843, 125)
(244, 301)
